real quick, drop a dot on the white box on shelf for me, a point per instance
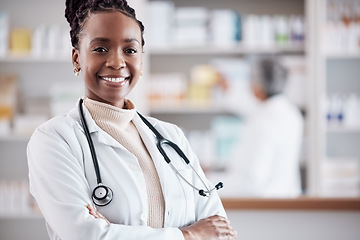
(190, 36)
(190, 26)
(167, 89)
(50, 41)
(191, 16)
(160, 21)
(63, 98)
(25, 124)
(340, 177)
(14, 197)
(224, 27)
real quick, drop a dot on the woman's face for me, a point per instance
(109, 56)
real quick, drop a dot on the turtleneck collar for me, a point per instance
(104, 113)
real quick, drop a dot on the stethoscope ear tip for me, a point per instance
(202, 193)
(219, 185)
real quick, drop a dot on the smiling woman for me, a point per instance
(109, 53)
(143, 198)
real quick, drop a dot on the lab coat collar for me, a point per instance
(94, 129)
(146, 134)
(150, 141)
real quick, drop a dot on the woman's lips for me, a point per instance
(120, 80)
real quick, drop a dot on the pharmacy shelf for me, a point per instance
(35, 59)
(186, 107)
(343, 129)
(209, 49)
(342, 55)
(175, 50)
(330, 66)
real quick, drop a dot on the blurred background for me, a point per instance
(197, 71)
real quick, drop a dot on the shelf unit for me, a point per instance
(33, 59)
(172, 58)
(239, 49)
(335, 72)
(187, 56)
(33, 85)
(342, 55)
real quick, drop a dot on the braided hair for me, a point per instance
(77, 11)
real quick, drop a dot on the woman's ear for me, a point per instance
(75, 59)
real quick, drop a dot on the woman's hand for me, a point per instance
(214, 227)
(95, 213)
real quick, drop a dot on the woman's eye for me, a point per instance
(100, 49)
(131, 51)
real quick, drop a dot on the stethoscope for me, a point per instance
(102, 195)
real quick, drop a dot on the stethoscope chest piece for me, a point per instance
(102, 195)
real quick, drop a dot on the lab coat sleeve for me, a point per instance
(59, 185)
(205, 206)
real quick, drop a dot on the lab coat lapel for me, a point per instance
(150, 141)
(95, 131)
(148, 138)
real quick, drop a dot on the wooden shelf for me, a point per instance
(209, 49)
(296, 204)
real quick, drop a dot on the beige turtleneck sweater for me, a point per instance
(118, 123)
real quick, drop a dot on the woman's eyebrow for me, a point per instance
(132, 40)
(106, 40)
(100, 39)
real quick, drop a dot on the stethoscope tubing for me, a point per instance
(162, 140)
(91, 144)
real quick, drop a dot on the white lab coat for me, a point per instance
(62, 178)
(265, 163)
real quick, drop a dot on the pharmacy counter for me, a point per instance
(301, 203)
(304, 218)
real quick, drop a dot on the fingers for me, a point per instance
(231, 234)
(92, 210)
(95, 213)
(224, 227)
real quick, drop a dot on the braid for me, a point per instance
(77, 11)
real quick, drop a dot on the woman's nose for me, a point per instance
(116, 61)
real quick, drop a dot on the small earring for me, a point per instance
(76, 71)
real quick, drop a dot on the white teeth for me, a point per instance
(115, 80)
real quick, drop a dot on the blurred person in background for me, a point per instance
(265, 162)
